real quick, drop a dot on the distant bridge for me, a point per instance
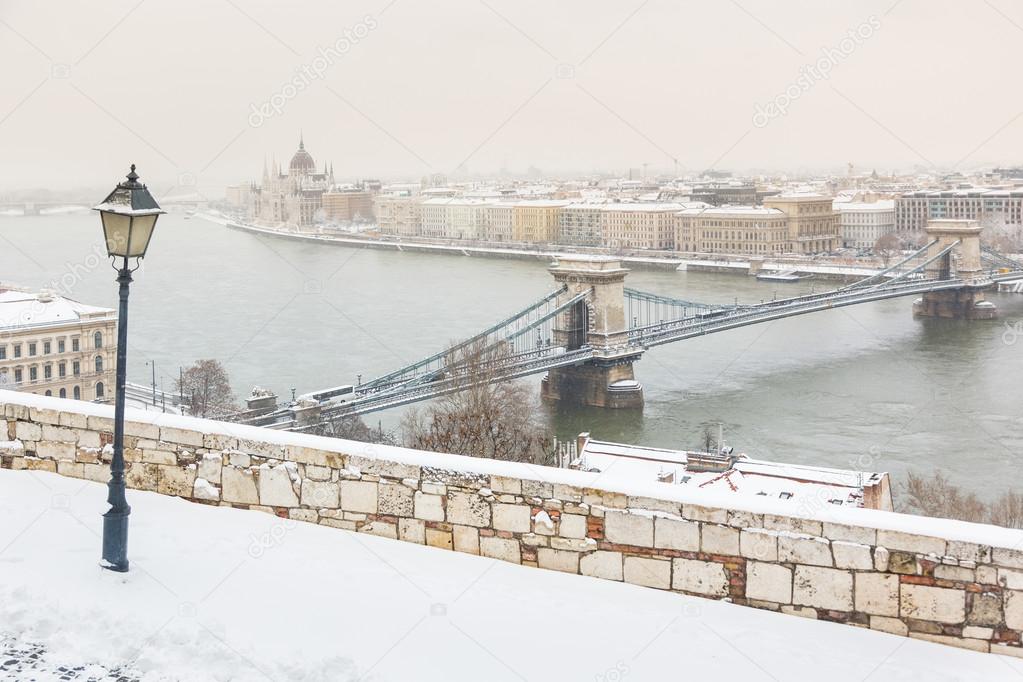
(587, 333)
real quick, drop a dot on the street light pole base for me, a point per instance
(115, 540)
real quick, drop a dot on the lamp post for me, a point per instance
(129, 215)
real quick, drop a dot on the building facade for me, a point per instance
(812, 222)
(398, 214)
(55, 346)
(639, 226)
(990, 207)
(582, 225)
(741, 230)
(862, 224)
(348, 205)
(537, 221)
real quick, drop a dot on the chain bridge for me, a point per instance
(587, 333)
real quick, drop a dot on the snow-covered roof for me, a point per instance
(745, 477)
(880, 206)
(19, 309)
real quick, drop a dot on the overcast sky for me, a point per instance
(413, 87)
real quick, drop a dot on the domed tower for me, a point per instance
(302, 163)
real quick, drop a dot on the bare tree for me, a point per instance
(352, 427)
(887, 246)
(937, 496)
(484, 418)
(208, 387)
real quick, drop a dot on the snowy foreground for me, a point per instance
(224, 594)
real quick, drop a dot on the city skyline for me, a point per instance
(570, 90)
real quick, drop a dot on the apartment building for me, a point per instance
(51, 345)
(640, 226)
(862, 224)
(537, 221)
(348, 205)
(989, 206)
(812, 222)
(398, 214)
(745, 230)
(582, 225)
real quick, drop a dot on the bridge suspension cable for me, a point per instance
(889, 270)
(643, 308)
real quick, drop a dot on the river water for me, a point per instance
(867, 386)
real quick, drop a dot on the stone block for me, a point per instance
(935, 604)
(321, 494)
(699, 577)
(438, 538)
(648, 572)
(468, 509)
(175, 480)
(44, 415)
(793, 524)
(219, 442)
(881, 559)
(572, 526)
(910, 542)
(985, 609)
(384, 467)
(504, 549)
(719, 539)
(557, 560)
(74, 420)
(768, 582)
(467, 539)
(181, 436)
(276, 488)
(138, 475)
(1010, 558)
(892, 626)
(944, 572)
(825, 588)
(696, 512)
(165, 457)
(28, 431)
(238, 485)
(394, 499)
(814, 551)
(56, 450)
(602, 564)
(143, 430)
(317, 473)
(89, 439)
(72, 469)
(359, 496)
(307, 515)
(858, 534)
(146, 480)
(102, 424)
(959, 642)
(852, 555)
(413, 530)
(1014, 609)
(503, 484)
(969, 551)
(209, 468)
(762, 545)
(428, 507)
(877, 594)
(56, 433)
(512, 517)
(629, 529)
(381, 529)
(676, 534)
(976, 632)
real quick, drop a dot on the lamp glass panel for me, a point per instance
(116, 229)
(141, 233)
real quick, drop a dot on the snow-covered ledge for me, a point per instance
(947, 581)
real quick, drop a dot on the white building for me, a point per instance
(862, 224)
(398, 214)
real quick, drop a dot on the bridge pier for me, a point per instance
(607, 380)
(963, 262)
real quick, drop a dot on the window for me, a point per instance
(99, 364)
(62, 369)
(78, 393)
(48, 372)
(46, 348)
(99, 389)
(31, 349)
(97, 339)
(60, 345)
(33, 373)
(17, 376)
(76, 368)
(17, 350)
(75, 345)
(63, 393)
(3, 352)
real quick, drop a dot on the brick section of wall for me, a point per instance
(958, 593)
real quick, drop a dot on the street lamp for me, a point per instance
(129, 215)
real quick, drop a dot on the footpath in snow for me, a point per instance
(225, 594)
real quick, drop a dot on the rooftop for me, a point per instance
(20, 309)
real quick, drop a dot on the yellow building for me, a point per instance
(348, 205)
(746, 230)
(52, 345)
(536, 222)
(639, 225)
(813, 222)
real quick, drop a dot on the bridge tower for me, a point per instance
(963, 262)
(606, 380)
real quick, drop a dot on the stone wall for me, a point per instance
(945, 581)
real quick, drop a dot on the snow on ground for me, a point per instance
(224, 594)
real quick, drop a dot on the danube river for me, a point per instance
(867, 386)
